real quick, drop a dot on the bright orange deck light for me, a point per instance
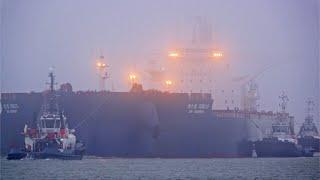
(168, 82)
(132, 77)
(99, 64)
(173, 54)
(217, 54)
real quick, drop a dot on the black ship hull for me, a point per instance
(310, 143)
(272, 147)
(126, 124)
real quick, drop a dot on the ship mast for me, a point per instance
(284, 102)
(51, 116)
(102, 72)
(310, 105)
(52, 105)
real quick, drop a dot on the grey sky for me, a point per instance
(36, 34)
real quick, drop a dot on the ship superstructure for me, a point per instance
(308, 136)
(192, 67)
(282, 128)
(308, 127)
(201, 65)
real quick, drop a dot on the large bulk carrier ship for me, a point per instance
(204, 111)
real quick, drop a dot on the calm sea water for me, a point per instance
(119, 168)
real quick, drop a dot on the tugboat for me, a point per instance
(282, 142)
(49, 136)
(308, 136)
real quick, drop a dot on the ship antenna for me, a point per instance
(284, 101)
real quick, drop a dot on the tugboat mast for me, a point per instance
(52, 77)
(52, 104)
(309, 128)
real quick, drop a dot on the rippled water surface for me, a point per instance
(119, 168)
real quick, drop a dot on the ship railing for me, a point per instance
(244, 114)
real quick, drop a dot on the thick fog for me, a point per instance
(282, 35)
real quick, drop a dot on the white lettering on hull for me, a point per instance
(10, 108)
(197, 108)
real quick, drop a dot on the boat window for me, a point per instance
(281, 129)
(53, 123)
(49, 123)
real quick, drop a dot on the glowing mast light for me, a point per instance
(102, 72)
